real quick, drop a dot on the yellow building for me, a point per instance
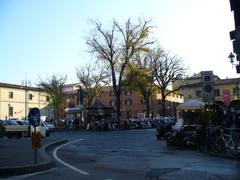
(16, 101)
(226, 91)
(224, 101)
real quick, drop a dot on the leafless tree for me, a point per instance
(167, 69)
(117, 46)
(92, 77)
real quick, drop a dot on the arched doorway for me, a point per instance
(235, 105)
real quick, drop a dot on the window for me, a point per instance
(30, 96)
(128, 102)
(47, 98)
(189, 96)
(198, 93)
(216, 92)
(236, 91)
(10, 111)
(71, 105)
(112, 103)
(10, 95)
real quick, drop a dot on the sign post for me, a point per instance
(207, 80)
(34, 120)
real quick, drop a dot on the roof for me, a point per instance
(99, 109)
(15, 86)
(99, 105)
(191, 104)
(216, 82)
(198, 76)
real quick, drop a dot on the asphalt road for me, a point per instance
(130, 155)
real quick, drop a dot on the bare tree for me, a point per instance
(92, 77)
(167, 69)
(117, 47)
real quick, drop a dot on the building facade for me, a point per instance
(17, 100)
(222, 109)
(226, 91)
(132, 103)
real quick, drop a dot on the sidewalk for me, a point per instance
(17, 155)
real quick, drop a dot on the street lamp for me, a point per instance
(231, 58)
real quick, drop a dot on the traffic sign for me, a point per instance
(36, 140)
(207, 76)
(207, 85)
(34, 117)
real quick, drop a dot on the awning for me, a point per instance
(191, 105)
(73, 110)
(100, 109)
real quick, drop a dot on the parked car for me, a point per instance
(12, 128)
(24, 123)
(42, 128)
(51, 127)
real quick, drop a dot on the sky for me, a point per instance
(41, 38)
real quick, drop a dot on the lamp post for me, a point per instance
(232, 59)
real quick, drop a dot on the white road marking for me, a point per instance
(66, 164)
(19, 177)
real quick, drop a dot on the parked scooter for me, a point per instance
(188, 136)
(163, 129)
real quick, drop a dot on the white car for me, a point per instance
(42, 128)
(51, 127)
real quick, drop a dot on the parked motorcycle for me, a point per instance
(163, 129)
(188, 136)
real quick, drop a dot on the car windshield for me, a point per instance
(20, 122)
(25, 122)
(11, 122)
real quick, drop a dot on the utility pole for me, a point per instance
(26, 83)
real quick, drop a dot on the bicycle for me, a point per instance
(222, 143)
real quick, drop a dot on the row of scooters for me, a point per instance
(187, 136)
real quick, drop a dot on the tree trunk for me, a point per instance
(54, 115)
(118, 110)
(163, 103)
(147, 102)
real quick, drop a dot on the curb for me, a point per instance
(45, 165)
(221, 155)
